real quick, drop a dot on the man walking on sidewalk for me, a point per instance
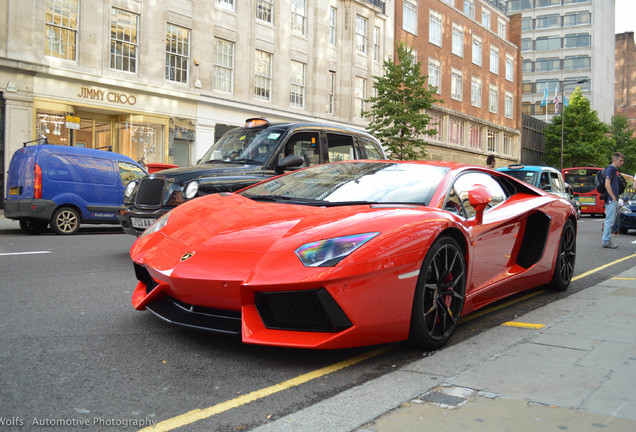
(611, 203)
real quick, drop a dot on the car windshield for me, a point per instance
(353, 183)
(582, 180)
(244, 145)
(526, 176)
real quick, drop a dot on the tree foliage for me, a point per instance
(398, 111)
(621, 140)
(584, 140)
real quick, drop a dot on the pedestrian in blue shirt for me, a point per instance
(611, 203)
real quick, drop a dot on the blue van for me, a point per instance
(66, 187)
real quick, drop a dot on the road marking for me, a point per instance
(620, 278)
(201, 414)
(24, 253)
(523, 325)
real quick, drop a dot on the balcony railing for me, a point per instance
(501, 5)
(377, 3)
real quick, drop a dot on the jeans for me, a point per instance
(610, 216)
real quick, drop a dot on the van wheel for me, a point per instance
(65, 221)
(33, 226)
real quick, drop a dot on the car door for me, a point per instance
(494, 239)
(305, 145)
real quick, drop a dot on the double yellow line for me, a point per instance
(201, 414)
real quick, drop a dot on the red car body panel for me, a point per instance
(219, 251)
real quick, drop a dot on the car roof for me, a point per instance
(522, 167)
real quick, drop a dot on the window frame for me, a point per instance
(220, 49)
(132, 45)
(62, 12)
(263, 75)
(177, 53)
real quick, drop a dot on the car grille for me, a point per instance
(311, 310)
(150, 192)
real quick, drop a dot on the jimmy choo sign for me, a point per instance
(108, 96)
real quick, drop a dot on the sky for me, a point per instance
(625, 16)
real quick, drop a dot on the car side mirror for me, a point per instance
(479, 197)
(291, 161)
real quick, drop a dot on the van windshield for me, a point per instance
(244, 145)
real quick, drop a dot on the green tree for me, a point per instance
(398, 111)
(584, 138)
(621, 140)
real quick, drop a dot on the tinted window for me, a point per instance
(129, 172)
(340, 147)
(305, 145)
(372, 149)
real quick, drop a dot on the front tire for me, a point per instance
(33, 226)
(564, 266)
(439, 296)
(65, 221)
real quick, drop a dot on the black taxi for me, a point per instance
(241, 157)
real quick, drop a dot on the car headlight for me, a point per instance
(157, 225)
(191, 190)
(625, 209)
(328, 253)
(130, 188)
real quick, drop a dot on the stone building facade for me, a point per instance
(625, 78)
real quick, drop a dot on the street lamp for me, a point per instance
(563, 111)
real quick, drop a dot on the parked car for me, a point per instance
(353, 253)
(627, 214)
(66, 186)
(543, 177)
(241, 157)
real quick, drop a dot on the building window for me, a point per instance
(508, 106)
(516, 5)
(359, 96)
(476, 133)
(527, 66)
(577, 18)
(458, 41)
(526, 87)
(332, 25)
(548, 21)
(455, 131)
(435, 29)
(435, 123)
(493, 96)
(124, 28)
(376, 44)
(469, 9)
(547, 64)
(409, 17)
(456, 85)
(526, 44)
(548, 3)
(262, 75)
(435, 75)
(494, 60)
(575, 1)
(475, 93)
(61, 29)
(501, 28)
(477, 51)
(526, 108)
(492, 141)
(298, 16)
(526, 24)
(485, 18)
(548, 43)
(510, 68)
(264, 10)
(585, 86)
(177, 53)
(577, 40)
(508, 141)
(577, 62)
(551, 85)
(225, 4)
(332, 92)
(297, 81)
(361, 33)
(223, 73)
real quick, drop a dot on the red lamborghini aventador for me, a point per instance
(353, 253)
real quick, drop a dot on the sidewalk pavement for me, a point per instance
(577, 373)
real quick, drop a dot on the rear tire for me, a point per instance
(33, 226)
(439, 296)
(65, 221)
(564, 266)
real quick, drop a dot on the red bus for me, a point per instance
(581, 179)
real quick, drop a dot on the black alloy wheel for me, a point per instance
(439, 296)
(65, 220)
(564, 266)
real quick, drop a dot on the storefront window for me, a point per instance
(140, 139)
(52, 126)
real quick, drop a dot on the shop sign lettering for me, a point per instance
(110, 96)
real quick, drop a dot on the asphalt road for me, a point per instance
(75, 354)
